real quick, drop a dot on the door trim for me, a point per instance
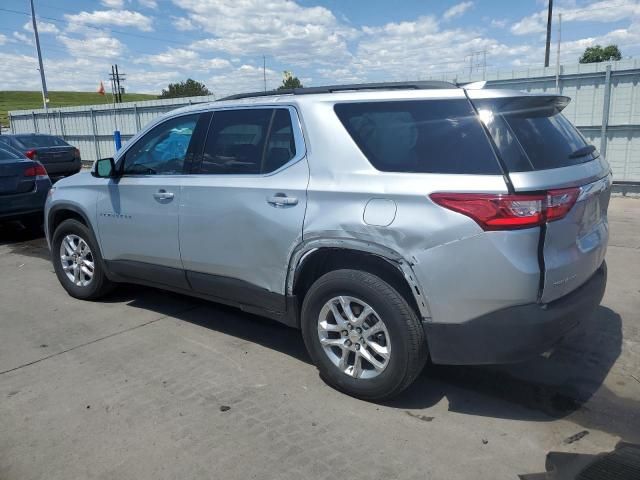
(228, 291)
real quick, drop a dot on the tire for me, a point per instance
(404, 340)
(98, 285)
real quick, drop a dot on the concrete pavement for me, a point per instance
(136, 386)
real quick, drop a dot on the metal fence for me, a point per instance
(605, 107)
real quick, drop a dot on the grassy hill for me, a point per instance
(13, 100)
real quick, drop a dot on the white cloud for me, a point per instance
(600, 11)
(43, 27)
(113, 3)
(246, 78)
(279, 28)
(457, 10)
(21, 37)
(183, 59)
(148, 3)
(499, 23)
(183, 24)
(20, 73)
(120, 18)
(3, 39)
(419, 49)
(98, 45)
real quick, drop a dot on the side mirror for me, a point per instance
(105, 168)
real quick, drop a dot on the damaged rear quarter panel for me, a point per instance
(462, 271)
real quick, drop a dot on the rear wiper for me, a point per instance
(581, 152)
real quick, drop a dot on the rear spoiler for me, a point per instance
(512, 104)
(473, 85)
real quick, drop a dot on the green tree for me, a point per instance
(188, 88)
(598, 54)
(289, 81)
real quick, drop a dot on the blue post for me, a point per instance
(116, 139)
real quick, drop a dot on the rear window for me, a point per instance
(33, 141)
(423, 136)
(8, 153)
(531, 133)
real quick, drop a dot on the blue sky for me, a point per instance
(222, 42)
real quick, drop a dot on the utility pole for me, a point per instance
(115, 85)
(548, 45)
(264, 72)
(558, 53)
(119, 91)
(116, 77)
(484, 64)
(45, 93)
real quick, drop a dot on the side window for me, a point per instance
(421, 136)
(248, 141)
(281, 146)
(161, 151)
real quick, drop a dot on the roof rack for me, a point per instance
(424, 85)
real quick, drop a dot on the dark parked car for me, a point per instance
(58, 157)
(24, 185)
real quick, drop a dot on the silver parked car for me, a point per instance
(389, 222)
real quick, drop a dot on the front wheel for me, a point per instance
(362, 335)
(77, 261)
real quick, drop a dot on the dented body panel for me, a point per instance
(231, 243)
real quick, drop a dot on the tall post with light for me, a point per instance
(45, 93)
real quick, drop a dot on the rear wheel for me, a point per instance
(77, 261)
(362, 335)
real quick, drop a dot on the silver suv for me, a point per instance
(390, 223)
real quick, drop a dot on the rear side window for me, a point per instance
(33, 141)
(424, 136)
(248, 141)
(531, 133)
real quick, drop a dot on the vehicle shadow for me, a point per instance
(542, 389)
(23, 241)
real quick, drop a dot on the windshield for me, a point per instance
(531, 133)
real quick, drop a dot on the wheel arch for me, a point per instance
(319, 256)
(64, 211)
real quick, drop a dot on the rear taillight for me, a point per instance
(37, 170)
(76, 154)
(559, 202)
(32, 154)
(509, 211)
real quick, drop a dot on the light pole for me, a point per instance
(45, 93)
(548, 45)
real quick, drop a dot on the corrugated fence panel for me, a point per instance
(90, 128)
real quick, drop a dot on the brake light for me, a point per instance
(559, 202)
(509, 211)
(76, 154)
(32, 154)
(37, 170)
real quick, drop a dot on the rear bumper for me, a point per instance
(517, 333)
(62, 168)
(17, 206)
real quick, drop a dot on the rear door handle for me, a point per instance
(163, 195)
(282, 200)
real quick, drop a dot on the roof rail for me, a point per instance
(421, 85)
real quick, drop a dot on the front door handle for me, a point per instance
(163, 195)
(282, 200)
